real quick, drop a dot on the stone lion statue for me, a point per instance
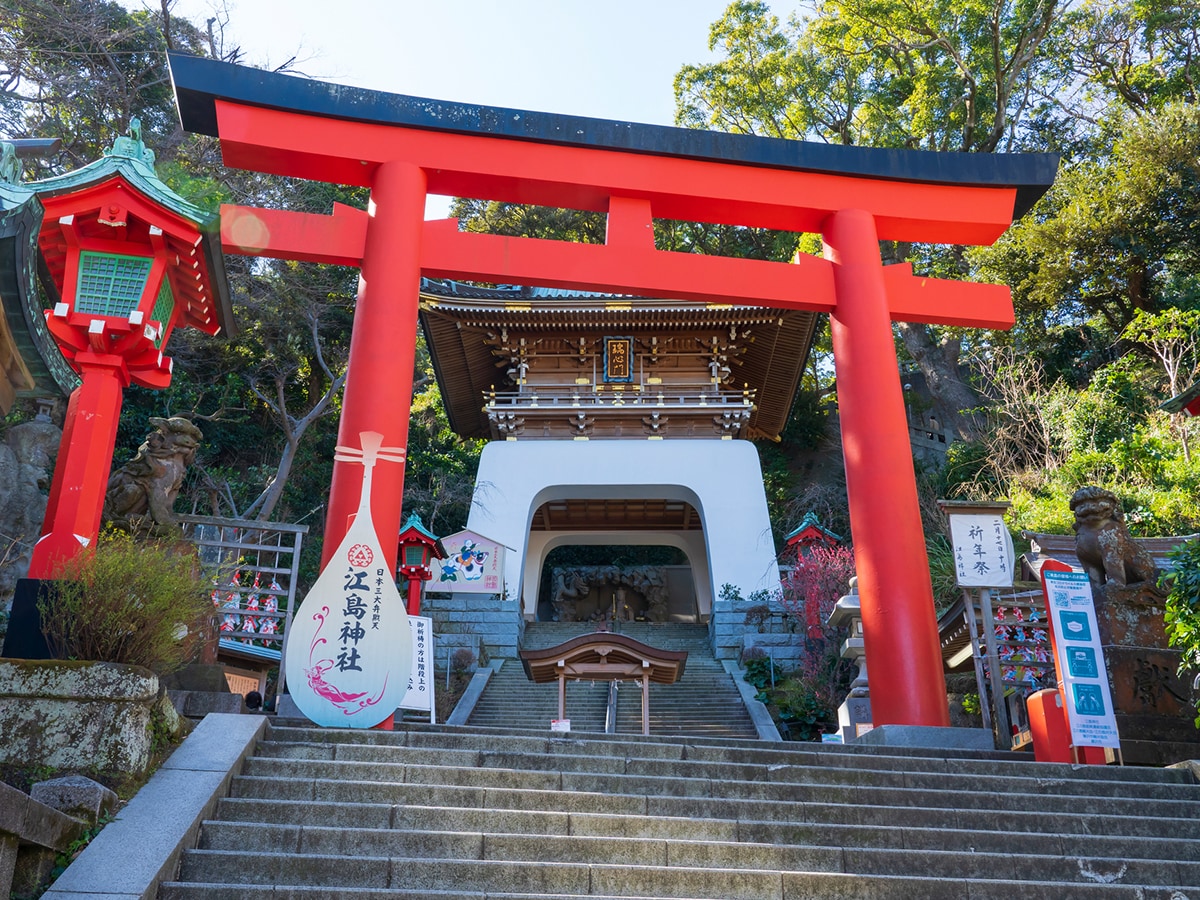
(1103, 544)
(141, 494)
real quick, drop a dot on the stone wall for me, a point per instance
(76, 715)
(490, 627)
(26, 466)
(731, 635)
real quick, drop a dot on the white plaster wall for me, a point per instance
(721, 479)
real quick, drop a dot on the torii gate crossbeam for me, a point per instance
(403, 148)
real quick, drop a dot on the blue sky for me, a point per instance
(612, 59)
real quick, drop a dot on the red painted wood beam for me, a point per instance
(939, 301)
(630, 266)
(492, 168)
(281, 234)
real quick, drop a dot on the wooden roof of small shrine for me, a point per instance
(603, 656)
(456, 317)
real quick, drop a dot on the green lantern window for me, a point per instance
(414, 556)
(110, 285)
(163, 307)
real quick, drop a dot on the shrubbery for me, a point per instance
(1182, 615)
(141, 604)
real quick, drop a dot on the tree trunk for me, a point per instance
(274, 490)
(939, 362)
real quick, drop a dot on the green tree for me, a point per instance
(888, 73)
(1115, 236)
(81, 70)
(1138, 54)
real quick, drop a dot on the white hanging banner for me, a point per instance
(983, 550)
(349, 649)
(1072, 615)
(420, 681)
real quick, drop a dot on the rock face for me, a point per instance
(27, 455)
(76, 715)
(1154, 705)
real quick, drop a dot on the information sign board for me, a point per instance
(983, 550)
(1080, 659)
(420, 682)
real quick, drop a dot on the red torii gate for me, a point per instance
(403, 148)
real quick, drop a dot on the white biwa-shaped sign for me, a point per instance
(349, 650)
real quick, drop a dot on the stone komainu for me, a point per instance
(1103, 544)
(142, 492)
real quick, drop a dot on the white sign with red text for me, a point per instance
(349, 648)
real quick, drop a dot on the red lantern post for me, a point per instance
(128, 261)
(418, 547)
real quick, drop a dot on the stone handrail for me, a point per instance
(31, 833)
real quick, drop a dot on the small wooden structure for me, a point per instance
(604, 657)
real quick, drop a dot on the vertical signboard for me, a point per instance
(348, 652)
(474, 564)
(618, 360)
(1080, 659)
(420, 681)
(983, 550)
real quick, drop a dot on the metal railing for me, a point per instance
(254, 567)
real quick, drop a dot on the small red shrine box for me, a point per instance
(1048, 725)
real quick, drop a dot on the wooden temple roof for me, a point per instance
(458, 319)
(603, 656)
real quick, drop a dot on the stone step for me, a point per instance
(499, 814)
(412, 817)
(707, 794)
(915, 759)
(607, 849)
(797, 772)
(792, 886)
(658, 879)
(1091, 818)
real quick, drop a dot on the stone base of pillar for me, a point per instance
(929, 736)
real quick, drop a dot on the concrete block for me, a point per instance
(33, 822)
(76, 796)
(928, 736)
(763, 723)
(8, 862)
(197, 704)
(466, 704)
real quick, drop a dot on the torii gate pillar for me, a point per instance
(379, 384)
(899, 627)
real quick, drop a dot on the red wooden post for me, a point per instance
(85, 458)
(378, 390)
(899, 626)
(414, 595)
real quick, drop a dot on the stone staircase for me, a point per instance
(485, 814)
(704, 702)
